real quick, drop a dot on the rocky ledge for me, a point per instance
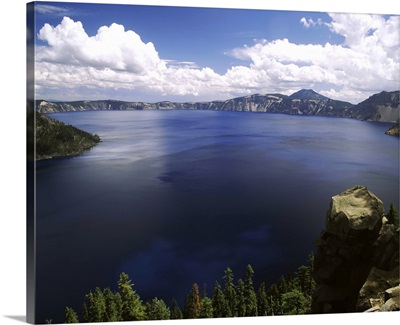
(356, 267)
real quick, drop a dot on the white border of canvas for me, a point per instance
(12, 137)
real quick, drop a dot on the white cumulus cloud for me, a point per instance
(112, 47)
(367, 62)
(307, 23)
(118, 59)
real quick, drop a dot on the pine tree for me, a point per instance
(94, 307)
(85, 312)
(157, 310)
(291, 282)
(393, 216)
(131, 304)
(294, 303)
(218, 302)
(70, 316)
(311, 282)
(274, 302)
(250, 298)
(118, 305)
(283, 285)
(240, 302)
(176, 312)
(112, 304)
(206, 309)
(302, 278)
(192, 304)
(262, 303)
(230, 294)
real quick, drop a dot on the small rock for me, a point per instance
(372, 309)
(391, 305)
(392, 292)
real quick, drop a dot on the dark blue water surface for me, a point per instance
(176, 197)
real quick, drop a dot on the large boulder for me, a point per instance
(357, 258)
(355, 215)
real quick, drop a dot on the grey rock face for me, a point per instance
(379, 289)
(383, 106)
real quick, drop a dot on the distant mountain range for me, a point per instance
(383, 107)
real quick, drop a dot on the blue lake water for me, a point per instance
(176, 197)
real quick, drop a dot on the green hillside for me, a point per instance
(56, 139)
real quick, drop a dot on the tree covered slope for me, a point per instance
(56, 139)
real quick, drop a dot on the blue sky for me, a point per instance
(154, 53)
(201, 35)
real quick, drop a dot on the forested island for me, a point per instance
(56, 139)
(394, 130)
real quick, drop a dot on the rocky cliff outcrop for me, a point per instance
(356, 267)
(380, 107)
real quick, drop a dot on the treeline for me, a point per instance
(55, 138)
(291, 295)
